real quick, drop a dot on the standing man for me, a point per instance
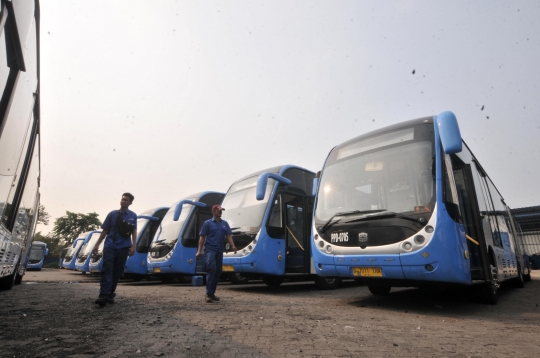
(120, 231)
(212, 235)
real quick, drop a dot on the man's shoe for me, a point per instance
(214, 298)
(110, 300)
(102, 301)
(208, 299)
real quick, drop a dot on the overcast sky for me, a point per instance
(167, 98)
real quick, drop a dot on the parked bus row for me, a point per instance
(405, 206)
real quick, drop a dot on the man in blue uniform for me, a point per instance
(120, 231)
(212, 235)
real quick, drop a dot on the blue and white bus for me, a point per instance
(82, 262)
(37, 255)
(269, 213)
(173, 249)
(71, 256)
(147, 225)
(19, 135)
(410, 205)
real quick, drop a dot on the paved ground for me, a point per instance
(52, 314)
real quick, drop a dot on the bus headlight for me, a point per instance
(419, 240)
(329, 249)
(407, 246)
(321, 244)
(429, 229)
(316, 237)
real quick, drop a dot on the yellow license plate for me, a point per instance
(93, 270)
(367, 271)
(228, 268)
(157, 269)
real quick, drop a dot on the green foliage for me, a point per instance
(43, 216)
(68, 227)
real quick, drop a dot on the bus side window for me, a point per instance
(275, 223)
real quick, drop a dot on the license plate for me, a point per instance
(157, 269)
(93, 270)
(228, 268)
(367, 271)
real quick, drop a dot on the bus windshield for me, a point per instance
(389, 172)
(73, 250)
(90, 244)
(169, 230)
(36, 253)
(243, 211)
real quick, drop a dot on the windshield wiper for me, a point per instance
(345, 213)
(382, 214)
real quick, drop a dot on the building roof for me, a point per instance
(528, 218)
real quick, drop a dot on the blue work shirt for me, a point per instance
(110, 225)
(215, 233)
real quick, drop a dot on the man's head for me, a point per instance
(217, 210)
(127, 200)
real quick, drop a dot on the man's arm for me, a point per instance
(134, 242)
(202, 239)
(101, 236)
(231, 242)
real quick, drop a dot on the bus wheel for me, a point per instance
(490, 287)
(237, 278)
(379, 290)
(527, 277)
(166, 279)
(273, 281)
(7, 283)
(136, 278)
(20, 274)
(518, 281)
(327, 283)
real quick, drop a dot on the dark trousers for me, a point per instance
(214, 265)
(112, 269)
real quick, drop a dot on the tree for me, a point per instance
(68, 227)
(43, 216)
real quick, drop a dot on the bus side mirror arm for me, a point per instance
(178, 209)
(263, 180)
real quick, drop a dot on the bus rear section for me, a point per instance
(269, 213)
(172, 254)
(409, 205)
(37, 254)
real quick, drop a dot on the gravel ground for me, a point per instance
(52, 314)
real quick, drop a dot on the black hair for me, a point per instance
(130, 196)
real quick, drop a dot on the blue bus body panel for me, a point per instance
(264, 260)
(136, 263)
(36, 265)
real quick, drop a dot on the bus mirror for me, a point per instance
(315, 186)
(151, 218)
(263, 180)
(449, 132)
(46, 252)
(178, 209)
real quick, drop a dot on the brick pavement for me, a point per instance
(152, 319)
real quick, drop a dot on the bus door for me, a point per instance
(296, 218)
(470, 215)
(190, 238)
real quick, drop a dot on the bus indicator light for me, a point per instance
(429, 267)
(407, 246)
(419, 240)
(429, 229)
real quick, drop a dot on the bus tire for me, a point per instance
(490, 288)
(20, 274)
(136, 278)
(527, 277)
(379, 290)
(519, 282)
(238, 278)
(166, 278)
(273, 281)
(7, 283)
(327, 283)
